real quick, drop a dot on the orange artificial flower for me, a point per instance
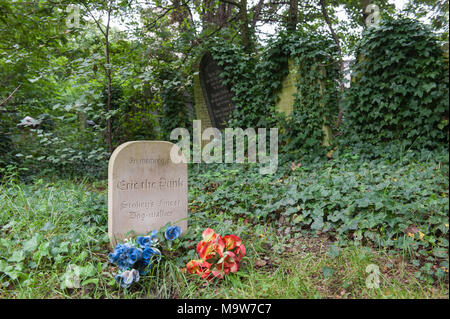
(209, 235)
(218, 255)
(198, 267)
(231, 241)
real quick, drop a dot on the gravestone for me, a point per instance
(200, 103)
(285, 103)
(146, 190)
(287, 93)
(213, 99)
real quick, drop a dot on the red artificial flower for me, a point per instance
(219, 255)
(211, 247)
(229, 262)
(209, 235)
(199, 267)
(240, 252)
(234, 242)
(231, 241)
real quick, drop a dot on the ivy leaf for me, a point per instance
(429, 86)
(333, 251)
(17, 256)
(48, 226)
(31, 244)
(327, 272)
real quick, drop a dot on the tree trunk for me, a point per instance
(336, 41)
(107, 68)
(293, 15)
(257, 13)
(244, 27)
(108, 75)
(364, 4)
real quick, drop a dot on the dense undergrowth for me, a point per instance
(384, 202)
(393, 209)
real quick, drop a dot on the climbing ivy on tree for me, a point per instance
(174, 112)
(6, 145)
(399, 88)
(240, 76)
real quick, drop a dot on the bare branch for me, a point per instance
(257, 9)
(95, 20)
(202, 39)
(6, 100)
(231, 2)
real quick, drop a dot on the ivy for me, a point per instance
(316, 103)
(173, 103)
(6, 145)
(399, 89)
(240, 74)
(384, 202)
(255, 81)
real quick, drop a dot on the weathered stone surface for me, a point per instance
(288, 89)
(200, 103)
(287, 93)
(145, 189)
(218, 97)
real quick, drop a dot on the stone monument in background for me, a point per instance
(213, 100)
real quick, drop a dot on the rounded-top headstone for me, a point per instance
(146, 190)
(217, 96)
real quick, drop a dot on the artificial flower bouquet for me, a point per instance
(218, 255)
(137, 255)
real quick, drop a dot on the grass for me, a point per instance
(301, 275)
(52, 229)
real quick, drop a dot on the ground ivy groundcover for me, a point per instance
(310, 231)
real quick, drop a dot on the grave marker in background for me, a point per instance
(200, 103)
(286, 96)
(213, 100)
(288, 89)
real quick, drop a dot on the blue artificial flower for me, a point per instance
(146, 241)
(172, 232)
(119, 254)
(148, 256)
(143, 241)
(149, 252)
(126, 278)
(125, 256)
(134, 255)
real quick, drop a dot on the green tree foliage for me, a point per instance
(59, 73)
(435, 10)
